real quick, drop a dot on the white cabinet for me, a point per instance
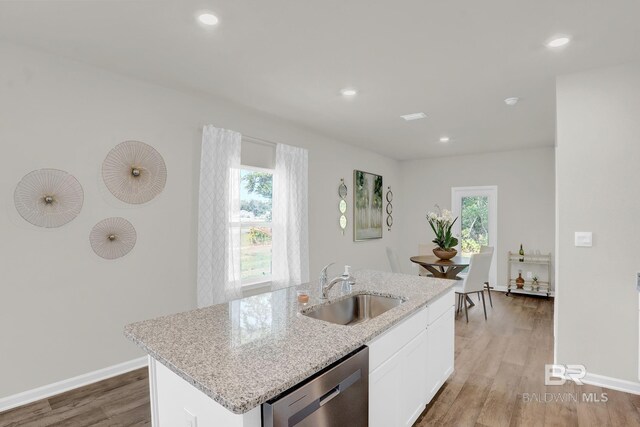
(397, 386)
(409, 363)
(175, 402)
(440, 342)
(414, 379)
(385, 396)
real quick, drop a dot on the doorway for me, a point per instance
(477, 224)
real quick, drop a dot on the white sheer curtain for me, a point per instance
(290, 259)
(218, 217)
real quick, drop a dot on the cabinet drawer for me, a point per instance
(440, 306)
(390, 342)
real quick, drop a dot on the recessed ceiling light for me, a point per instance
(558, 42)
(208, 19)
(445, 139)
(414, 116)
(512, 101)
(349, 92)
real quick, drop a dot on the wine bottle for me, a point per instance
(521, 252)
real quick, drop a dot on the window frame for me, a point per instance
(263, 281)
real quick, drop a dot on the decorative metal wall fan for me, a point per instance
(113, 238)
(134, 172)
(48, 198)
(389, 208)
(342, 205)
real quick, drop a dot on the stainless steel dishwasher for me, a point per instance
(337, 396)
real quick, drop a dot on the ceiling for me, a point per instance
(454, 60)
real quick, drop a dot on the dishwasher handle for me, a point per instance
(330, 395)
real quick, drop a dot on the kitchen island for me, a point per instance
(219, 364)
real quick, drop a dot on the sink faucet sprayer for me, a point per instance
(346, 278)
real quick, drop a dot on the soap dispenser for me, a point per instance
(347, 279)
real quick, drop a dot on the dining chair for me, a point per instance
(425, 249)
(487, 285)
(392, 255)
(473, 282)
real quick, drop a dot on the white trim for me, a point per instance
(153, 391)
(556, 284)
(53, 389)
(611, 383)
(256, 169)
(258, 140)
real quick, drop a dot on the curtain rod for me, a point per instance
(258, 140)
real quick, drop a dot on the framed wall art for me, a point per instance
(367, 206)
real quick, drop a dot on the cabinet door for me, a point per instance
(440, 354)
(385, 393)
(414, 379)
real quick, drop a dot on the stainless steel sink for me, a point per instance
(355, 309)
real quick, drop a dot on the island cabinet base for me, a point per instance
(175, 402)
(409, 363)
(407, 366)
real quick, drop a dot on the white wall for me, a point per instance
(598, 185)
(526, 197)
(62, 309)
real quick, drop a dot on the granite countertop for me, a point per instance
(247, 351)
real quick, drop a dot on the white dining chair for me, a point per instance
(474, 282)
(394, 261)
(487, 285)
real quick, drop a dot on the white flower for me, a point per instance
(432, 216)
(447, 215)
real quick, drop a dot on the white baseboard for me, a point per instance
(612, 383)
(49, 390)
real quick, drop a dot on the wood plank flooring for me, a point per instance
(115, 402)
(499, 372)
(498, 363)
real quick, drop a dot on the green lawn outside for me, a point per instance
(255, 259)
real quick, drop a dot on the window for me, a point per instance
(477, 224)
(255, 225)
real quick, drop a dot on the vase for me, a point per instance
(520, 281)
(445, 255)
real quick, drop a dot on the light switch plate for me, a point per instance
(584, 239)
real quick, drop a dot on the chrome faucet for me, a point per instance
(346, 278)
(324, 278)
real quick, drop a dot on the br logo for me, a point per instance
(560, 374)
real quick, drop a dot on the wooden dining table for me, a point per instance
(444, 269)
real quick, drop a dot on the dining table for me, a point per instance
(444, 269)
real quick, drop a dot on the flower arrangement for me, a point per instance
(441, 223)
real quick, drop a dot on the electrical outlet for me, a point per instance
(190, 420)
(529, 275)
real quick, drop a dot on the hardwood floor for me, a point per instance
(115, 402)
(499, 364)
(499, 375)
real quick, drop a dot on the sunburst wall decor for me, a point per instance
(134, 172)
(48, 198)
(113, 238)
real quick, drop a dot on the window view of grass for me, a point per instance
(255, 254)
(475, 224)
(255, 217)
